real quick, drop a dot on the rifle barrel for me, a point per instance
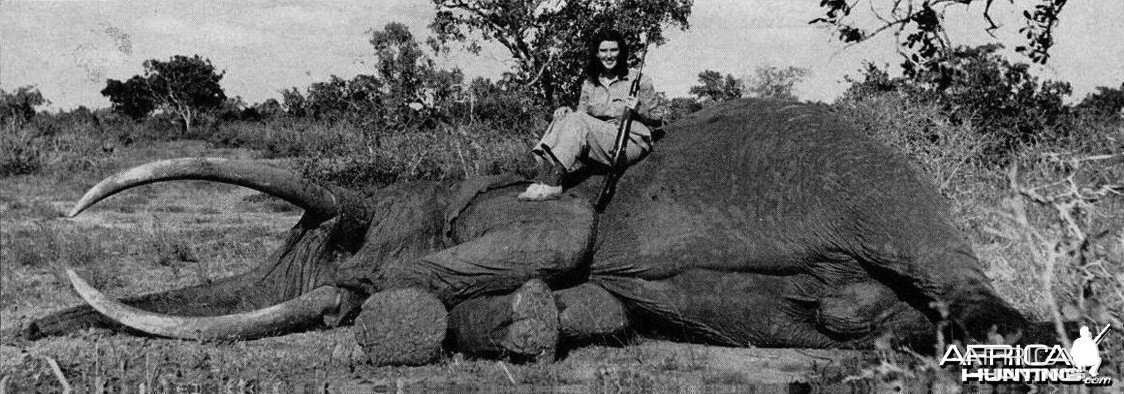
(1100, 336)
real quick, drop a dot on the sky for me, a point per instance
(68, 48)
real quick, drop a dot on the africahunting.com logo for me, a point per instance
(1032, 363)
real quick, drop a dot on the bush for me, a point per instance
(20, 153)
(46, 145)
(353, 156)
(976, 86)
(947, 153)
(449, 153)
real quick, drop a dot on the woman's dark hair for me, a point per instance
(593, 67)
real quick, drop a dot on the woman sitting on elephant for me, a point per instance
(588, 132)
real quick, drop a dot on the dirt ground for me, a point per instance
(171, 235)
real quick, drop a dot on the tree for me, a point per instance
(18, 107)
(1105, 102)
(713, 88)
(293, 102)
(773, 82)
(401, 61)
(977, 85)
(679, 107)
(405, 88)
(132, 98)
(269, 109)
(339, 99)
(184, 86)
(547, 38)
(411, 77)
(921, 23)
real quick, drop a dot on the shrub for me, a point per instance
(18, 107)
(946, 153)
(1105, 102)
(20, 153)
(978, 87)
(449, 153)
(356, 156)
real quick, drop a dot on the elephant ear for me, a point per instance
(471, 188)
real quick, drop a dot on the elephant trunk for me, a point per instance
(301, 312)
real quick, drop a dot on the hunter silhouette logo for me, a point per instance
(1032, 363)
(1086, 352)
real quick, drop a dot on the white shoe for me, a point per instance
(540, 192)
(532, 190)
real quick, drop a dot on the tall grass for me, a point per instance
(948, 154)
(353, 156)
(54, 145)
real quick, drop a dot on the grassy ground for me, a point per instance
(171, 235)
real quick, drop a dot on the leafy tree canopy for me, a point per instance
(766, 82)
(19, 106)
(774, 82)
(405, 87)
(981, 87)
(182, 81)
(1105, 102)
(547, 39)
(132, 98)
(919, 24)
(713, 87)
(185, 86)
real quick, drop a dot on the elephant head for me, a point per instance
(346, 248)
(292, 288)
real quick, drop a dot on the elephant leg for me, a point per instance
(749, 309)
(497, 261)
(588, 314)
(705, 307)
(401, 327)
(510, 325)
(935, 273)
(522, 325)
(866, 311)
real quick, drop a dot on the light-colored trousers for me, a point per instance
(578, 135)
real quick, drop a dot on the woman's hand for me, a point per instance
(562, 111)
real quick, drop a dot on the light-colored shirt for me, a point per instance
(606, 101)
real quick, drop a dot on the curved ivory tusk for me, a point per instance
(314, 199)
(285, 317)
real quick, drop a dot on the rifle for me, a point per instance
(617, 160)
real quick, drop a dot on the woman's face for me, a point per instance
(608, 52)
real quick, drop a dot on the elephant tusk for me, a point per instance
(288, 316)
(317, 201)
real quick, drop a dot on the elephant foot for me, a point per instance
(870, 314)
(855, 309)
(522, 325)
(401, 327)
(589, 314)
(533, 332)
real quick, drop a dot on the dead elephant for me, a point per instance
(754, 223)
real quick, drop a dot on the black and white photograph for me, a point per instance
(604, 196)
